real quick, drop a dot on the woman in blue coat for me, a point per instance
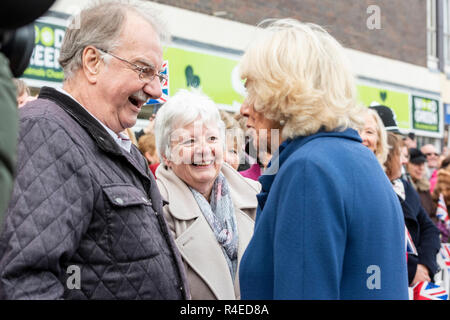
(328, 225)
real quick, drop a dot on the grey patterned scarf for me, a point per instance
(221, 218)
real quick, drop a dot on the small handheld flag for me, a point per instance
(429, 291)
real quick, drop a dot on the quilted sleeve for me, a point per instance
(49, 211)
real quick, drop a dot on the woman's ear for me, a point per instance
(91, 63)
(167, 162)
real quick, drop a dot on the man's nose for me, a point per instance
(153, 88)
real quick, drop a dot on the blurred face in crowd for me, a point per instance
(196, 155)
(119, 89)
(396, 165)
(369, 134)
(432, 155)
(231, 155)
(395, 157)
(152, 158)
(416, 170)
(404, 155)
(444, 187)
(410, 143)
(21, 100)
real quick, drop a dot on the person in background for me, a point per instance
(248, 156)
(234, 140)
(432, 163)
(210, 207)
(149, 128)
(404, 159)
(410, 140)
(423, 266)
(255, 160)
(84, 202)
(326, 212)
(442, 188)
(373, 134)
(425, 236)
(257, 168)
(388, 118)
(416, 169)
(23, 94)
(147, 146)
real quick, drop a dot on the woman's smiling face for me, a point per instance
(196, 155)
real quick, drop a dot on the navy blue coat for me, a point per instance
(423, 231)
(329, 225)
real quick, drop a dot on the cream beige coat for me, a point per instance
(207, 269)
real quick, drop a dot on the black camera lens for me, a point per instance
(18, 46)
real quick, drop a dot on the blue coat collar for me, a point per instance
(288, 147)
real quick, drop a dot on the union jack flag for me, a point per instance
(441, 211)
(429, 291)
(410, 247)
(445, 254)
(164, 86)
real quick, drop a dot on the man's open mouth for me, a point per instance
(134, 101)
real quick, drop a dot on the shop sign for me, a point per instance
(44, 60)
(425, 114)
(396, 100)
(216, 76)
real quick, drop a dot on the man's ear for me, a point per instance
(91, 63)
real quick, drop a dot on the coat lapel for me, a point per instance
(198, 240)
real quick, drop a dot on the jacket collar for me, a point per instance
(180, 197)
(91, 125)
(102, 138)
(287, 148)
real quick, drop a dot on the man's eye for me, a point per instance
(213, 138)
(147, 71)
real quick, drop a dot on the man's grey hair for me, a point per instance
(100, 25)
(184, 108)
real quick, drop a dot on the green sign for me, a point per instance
(425, 113)
(216, 76)
(44, 60)
(397, 101)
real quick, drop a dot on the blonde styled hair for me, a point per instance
(147, 143)
(382, 141)
(298, 74)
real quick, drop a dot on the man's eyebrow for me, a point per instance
(146, 63)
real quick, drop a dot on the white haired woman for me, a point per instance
(329, 225)
(211, 207)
